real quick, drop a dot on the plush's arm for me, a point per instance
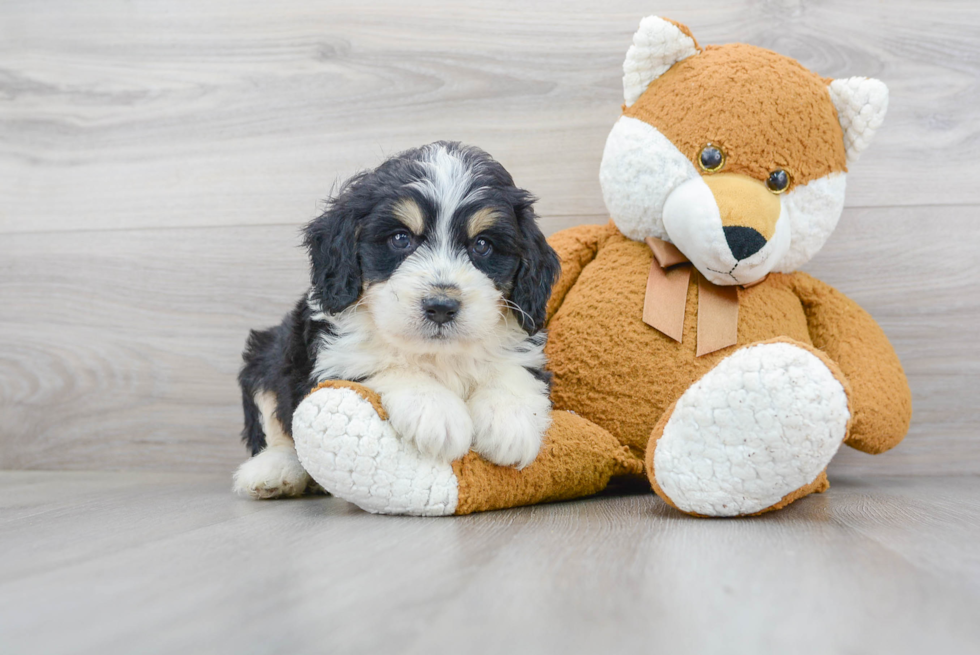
(881, 402)
(576, 247)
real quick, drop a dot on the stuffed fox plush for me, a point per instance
(685, 345)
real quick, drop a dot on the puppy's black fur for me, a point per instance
(279, 360)
(349, 246)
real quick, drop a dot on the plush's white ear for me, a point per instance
(657, 45)
(861, 104)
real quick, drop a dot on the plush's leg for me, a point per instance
(274, 472)
(344, 439)
(881, 402)
(577, 458)
(752, 435)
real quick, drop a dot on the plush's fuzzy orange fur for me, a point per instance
(770, 112)
(578, 458)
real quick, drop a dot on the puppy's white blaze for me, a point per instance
(640, 168)
(447, 185)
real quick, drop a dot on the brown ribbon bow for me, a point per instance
(666, 300)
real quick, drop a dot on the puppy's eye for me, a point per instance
(400, 241)
(482, 247)
(778, 181)
(711, 158)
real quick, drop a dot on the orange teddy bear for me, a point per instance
(685, 345)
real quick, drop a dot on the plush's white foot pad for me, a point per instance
(353, 454)
(763, 423)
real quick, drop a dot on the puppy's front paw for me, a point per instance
(435, 420)
(508, 429)
(273, 473)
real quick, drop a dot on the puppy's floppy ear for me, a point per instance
(539, 268)
(331, 240)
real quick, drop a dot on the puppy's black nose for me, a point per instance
(743, 241)
(440, 309)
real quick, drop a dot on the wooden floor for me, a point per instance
(173, 563)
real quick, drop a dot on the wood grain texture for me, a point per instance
(226, 113)
(170, 563)
(156, 163)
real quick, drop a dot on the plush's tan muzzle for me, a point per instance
(749, 211)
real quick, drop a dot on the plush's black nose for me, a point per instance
(743, 241)
(440, 309)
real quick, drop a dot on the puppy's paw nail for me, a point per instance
(273, 473)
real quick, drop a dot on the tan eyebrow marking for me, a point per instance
(408, 212)
(481, 220)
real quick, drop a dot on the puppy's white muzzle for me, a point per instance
(436, 298)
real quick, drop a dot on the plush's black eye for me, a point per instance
(400, 241)
(778, 181)
(711, 159)
(482, 247)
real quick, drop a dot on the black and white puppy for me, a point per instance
(429, 284)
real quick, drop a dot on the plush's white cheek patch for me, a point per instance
(640, 168)
(813, 211)
(693, 224)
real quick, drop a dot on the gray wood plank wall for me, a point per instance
(158, 158)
